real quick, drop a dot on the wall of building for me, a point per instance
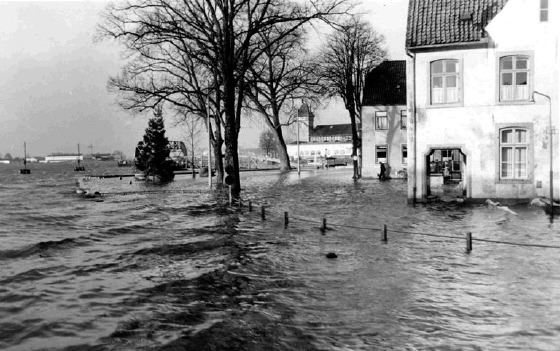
(473, 124)
(394, 137)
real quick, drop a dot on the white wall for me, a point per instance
(473, 123)
(394, 137)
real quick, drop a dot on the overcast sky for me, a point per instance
(53, 79)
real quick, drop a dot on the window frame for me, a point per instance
(530, 77)
(529, 144)
(443, 75)
(377, 148)
(379, 115)
(405, 119)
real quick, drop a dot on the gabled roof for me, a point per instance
(332, 129)
(440, 22)
(386, 84)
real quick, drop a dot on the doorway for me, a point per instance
(446, 172)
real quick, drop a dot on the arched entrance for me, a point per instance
(446, 172)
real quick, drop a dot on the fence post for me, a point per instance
(286, 219)
(469, 242)
(263, 216)
(250, 206)
(384, 232)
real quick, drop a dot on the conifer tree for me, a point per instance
(153, 156)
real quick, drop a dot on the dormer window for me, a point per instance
(544, 10)
(445, 78)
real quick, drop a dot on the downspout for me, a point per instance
(413, 108)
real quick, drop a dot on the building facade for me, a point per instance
(316, 143)
(483, 90)
(384, 119)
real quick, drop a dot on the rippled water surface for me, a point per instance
(174, 268)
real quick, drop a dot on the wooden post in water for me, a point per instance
(384, 232)
(263, 216)
(324, 227)
(250, 206)
(469, 242)
(286, 219)
(229, 194)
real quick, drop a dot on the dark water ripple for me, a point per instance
(181, 271)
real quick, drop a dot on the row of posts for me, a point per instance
(323, 227)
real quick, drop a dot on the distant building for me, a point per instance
(384, 117)
(103, 157)
(55, 158)
(331, 140)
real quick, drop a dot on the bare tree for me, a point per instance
(282, 74)
(220, 36)
(267, 143)
(192, 128)
(351, 52)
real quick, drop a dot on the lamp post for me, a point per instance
(297, 119)
(550, 147)
(209, 139)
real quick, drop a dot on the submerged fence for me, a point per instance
(384, 230)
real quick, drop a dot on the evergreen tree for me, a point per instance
(153, 153)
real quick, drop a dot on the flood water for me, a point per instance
(174, 268)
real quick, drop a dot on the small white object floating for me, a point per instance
(80, 191)
(500, 207)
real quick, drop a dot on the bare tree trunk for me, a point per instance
(282, 152)
(218, 156)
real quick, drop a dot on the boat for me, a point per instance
(25, 170)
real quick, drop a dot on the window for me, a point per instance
(403, 119)
(514, 146)
(381, 120)
(404, 153)
(444, 81)
(544, 10)
(381, 153)
(514, 78)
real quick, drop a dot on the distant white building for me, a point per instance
(321, 141)
(63, 158)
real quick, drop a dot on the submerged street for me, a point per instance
(178, 269)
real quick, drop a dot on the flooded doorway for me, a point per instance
(446, 172)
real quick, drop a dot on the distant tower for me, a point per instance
(306, 119)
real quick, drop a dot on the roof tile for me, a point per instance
(386, 84)
(438, 22)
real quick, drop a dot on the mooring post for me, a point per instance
(469, 242)
(263, 216)
(286, 219)
(250, 206)
(384, 232)
(324, 226)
